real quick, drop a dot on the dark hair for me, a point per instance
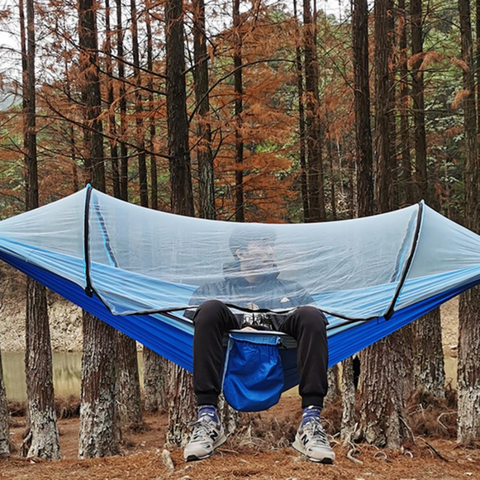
(242, 236)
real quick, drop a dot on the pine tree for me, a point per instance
(98, 412)
(43, 435)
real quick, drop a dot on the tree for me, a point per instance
(180, 391)
(238, 82)
(429, 372)
(364, 161)
(382, 401)
(122, 104)
(468, 381)
(98, 413)
(206, 189)
(43, 434)
(152, 129)
(313, 128)
(128, 381)
(112, 123)
(301, 123)
(363, 131)
(154, 366)
(140, 133)
(405, 178)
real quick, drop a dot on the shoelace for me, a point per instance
(202, 427)
(319, 436)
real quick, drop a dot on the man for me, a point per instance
(252, 281)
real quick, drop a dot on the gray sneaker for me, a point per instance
(207, 435)
(312, 441)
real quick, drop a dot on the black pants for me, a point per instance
(306, 325)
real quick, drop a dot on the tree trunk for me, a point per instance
(155, 370)
(364, 162)
(153, 159)
(112, 123)
(301, 123)
(382, 367)
(177, 121)
(123, 106)
(238, 85)
(4, 427)
(468, 380)
(180, 404)
(38, 355)
(333, 390)
(383, 107)
(313, 128)
(99, 434)
(140, 133)
(348, 401)
(363, 131)
(405, 177)
(406, 196)
(98, 413)
(180, 391)
(128, 390)
(428, 355)
(206, 191)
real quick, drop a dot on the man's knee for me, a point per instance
(311, 318)
(210, 313)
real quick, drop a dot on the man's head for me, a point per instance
(253, 247)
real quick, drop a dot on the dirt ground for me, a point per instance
(262, 456)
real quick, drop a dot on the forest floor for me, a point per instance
(260, 452)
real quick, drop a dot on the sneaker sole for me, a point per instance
(327, 460)
(219, 443)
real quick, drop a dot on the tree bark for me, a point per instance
(99, 434)
(363, 131)
(301, 123)
(348, 401)
(180, 391)
(429, 371)
(313, 128)
(4, 423)
(180, 404)
(140, 133)
(123, 105)
(405, 177)
(468, 380)
(333, 389)
(38, 355)
(238, 85)
(98, 413)
(154, 382)
(206, 191)
(112, 123)
(152, 130)
(128, 390)
(177, 121)
(383, 107)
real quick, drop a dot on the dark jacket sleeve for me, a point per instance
(300, 296)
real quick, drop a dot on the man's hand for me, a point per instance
(249, 329)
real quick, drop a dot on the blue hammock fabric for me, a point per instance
(106, 256)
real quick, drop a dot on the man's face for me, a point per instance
(257, 258)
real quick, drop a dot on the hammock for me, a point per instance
(139, 270)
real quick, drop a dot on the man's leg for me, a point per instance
(212, 320)
(308, 326)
